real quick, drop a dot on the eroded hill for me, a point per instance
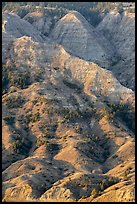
(68, 124)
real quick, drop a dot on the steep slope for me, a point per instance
(120, 31)
(62, 126)
(17, 27)
(80, 39)
(41, 21)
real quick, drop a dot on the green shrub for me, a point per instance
(105, 183)
(47, 134)
(38, 75)
(49, 146)
(94, 138)
(40, 141)
(10, 120)
(78, 129)
(124, 112)
(36, 117)
(52, 146)
(112, 181)
(127, 171)
(21, 145)
(21, 80)
(15, 101)
(94, 193)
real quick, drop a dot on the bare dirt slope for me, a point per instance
(81, 39)
(120, 31)
(68, 126)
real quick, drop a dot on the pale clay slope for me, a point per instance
(111, 44)
(80, 39)
(17, 27)
(40, 21)
(57, 177)
(120, 31)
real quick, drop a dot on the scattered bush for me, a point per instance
(21, 80)
(127, 171)
(78, 129)
(21, 145)
(94, 138)
(102, 185)
(49, 146)
(41, 141)
(52, 146)
(112, 181)
(10, 120)
(15, 101)
(36, 117)
(73, 101)
(94, 193)
(124, 112)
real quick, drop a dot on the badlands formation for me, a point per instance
(68, 120)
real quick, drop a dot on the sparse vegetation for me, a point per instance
(72, 85)
(114, 156)
(65, 116)
(32, 118)
(20, 80)
(10, 77)
(10, 120)
(94, 193)
(126, 173)
(41, 141)
(78, 129)
(15, 101)
(94, 138)
(21, 145)
(102, 185)
(51, 147)
(49, 130)
(36, 117)
(38, 75)
(124, 112)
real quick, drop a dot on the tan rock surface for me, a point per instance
(61, 135)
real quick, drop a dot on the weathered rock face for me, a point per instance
(40, 21)
(80, 39)
(14, 25)
(120, 31)
(67, 125)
